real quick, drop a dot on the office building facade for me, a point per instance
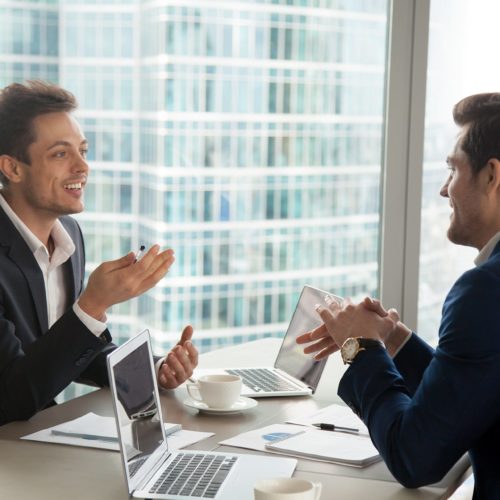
(245, 135)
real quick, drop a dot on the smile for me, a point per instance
(74, 185)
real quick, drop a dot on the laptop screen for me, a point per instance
(291, 357)
(139, 420)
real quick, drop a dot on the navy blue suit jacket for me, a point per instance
(427, 408)
(36, 363)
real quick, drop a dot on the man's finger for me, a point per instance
(326, 352)
(187, 334)
(192, 353)
(318, 333)
(322, 344)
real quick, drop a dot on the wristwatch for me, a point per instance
(353, 345)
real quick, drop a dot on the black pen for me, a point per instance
(139, 253)
(338, 428)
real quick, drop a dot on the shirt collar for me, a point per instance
(487, 250)
(60, 236)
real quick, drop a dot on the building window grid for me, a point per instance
(292, 144)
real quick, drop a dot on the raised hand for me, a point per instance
(180, 361)
(119, 280)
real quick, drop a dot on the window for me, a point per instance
(248, 137)
(456, 68)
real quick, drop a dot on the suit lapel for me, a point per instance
(22, 257)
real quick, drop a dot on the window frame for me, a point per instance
(402, 172)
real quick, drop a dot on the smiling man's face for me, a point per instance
(467, 201)
(53, 184)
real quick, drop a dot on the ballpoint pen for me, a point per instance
(338, 428)
(139, 253)
(78, 435)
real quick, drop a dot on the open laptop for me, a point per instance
(151, 470)
(294, 373)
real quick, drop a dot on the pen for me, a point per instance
(139, 253)
(93, 437)
(338, 428)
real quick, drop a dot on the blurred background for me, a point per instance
(248, 136)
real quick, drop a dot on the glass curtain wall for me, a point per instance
(245, 135)
(460, 64)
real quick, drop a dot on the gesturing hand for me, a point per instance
(119, 280)
(180, 361)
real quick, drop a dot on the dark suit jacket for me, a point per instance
(427, 408)
(36, 362)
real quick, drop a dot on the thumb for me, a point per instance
(187, 334)
(393, 314)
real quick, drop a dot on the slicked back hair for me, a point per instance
(479, 114)
(20, 104)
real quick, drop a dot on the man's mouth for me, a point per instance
(73, 186)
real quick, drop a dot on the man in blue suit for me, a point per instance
(426, 407)
(53, 329)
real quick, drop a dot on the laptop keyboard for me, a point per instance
(263, 380)
(196, 475)
(135, 466)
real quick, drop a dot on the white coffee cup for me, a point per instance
(216, 391)
(286, 488)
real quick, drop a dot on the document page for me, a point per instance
(335, 414)
(95, 431)
(338, 447)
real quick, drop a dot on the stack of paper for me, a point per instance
(94, 431)
(299, 438)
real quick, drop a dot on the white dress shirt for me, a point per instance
(52, 270)
(485, 252)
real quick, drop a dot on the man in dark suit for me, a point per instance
(426, 407)
(53, 329)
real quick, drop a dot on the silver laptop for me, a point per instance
(294, 373)
(151, 470)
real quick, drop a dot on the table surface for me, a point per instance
(49, 471)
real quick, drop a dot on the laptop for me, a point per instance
(294, 373)
(151, 470)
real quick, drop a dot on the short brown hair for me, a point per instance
(19, 106)
(480, 114)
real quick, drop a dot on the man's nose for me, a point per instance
(80, 164)
(444, 189)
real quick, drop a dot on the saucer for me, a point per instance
(241, 404)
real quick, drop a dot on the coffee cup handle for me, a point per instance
(196, 389)
(317, 490)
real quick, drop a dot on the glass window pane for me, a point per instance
(457, 56)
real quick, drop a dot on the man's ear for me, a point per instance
(492, 176)
(10, 168)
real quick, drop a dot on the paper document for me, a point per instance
(94, 431)
(335, 414)
(300, 441)
(257, 439)
(337, 447)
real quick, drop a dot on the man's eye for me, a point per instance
(60, 154)
(84, 153)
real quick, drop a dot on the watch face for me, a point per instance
(350, 349)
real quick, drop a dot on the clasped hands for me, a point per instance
(341, 321)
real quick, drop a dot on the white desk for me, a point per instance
(45, 471)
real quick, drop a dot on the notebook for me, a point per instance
(294, 373)
(151, 470)
(329, 446)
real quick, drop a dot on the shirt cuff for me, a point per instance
(158, 366)
(408, 337)
(94, 325)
